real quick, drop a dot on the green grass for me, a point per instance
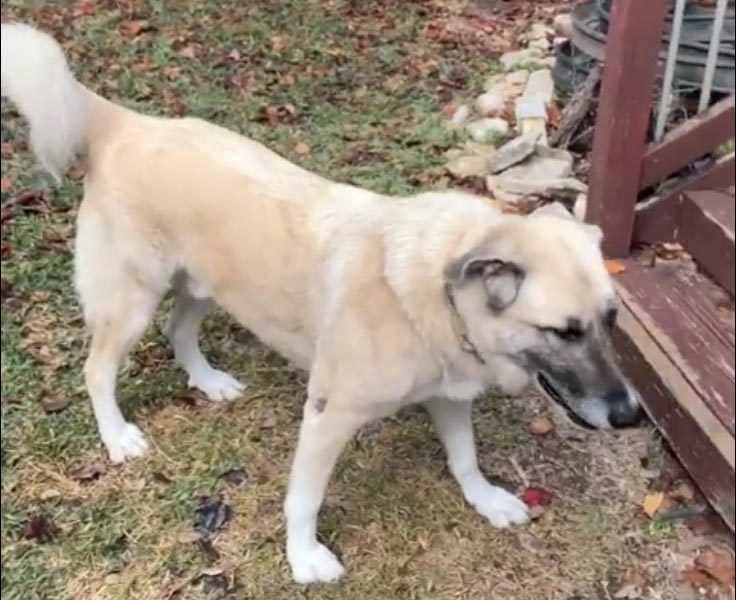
(368, 82)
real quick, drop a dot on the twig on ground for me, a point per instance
(576, 110)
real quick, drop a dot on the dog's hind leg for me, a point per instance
(184, 323)
(120, 279)
(114, 331)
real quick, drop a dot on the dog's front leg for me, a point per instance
(325, 430)
(453, 422)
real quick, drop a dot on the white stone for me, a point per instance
(538, 31)
(535, 176)
(499, 194)
(484, 130)
(512, 152)
(530, 107)
(562, 25)
(460, 115)
(540, 83)
(534, 125)
(490, 104)
(519, 77)
(542, 44)
(511, 60)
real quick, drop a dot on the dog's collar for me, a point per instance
(459, 327)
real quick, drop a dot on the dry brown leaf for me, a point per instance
(695, 578)
(4, 184)
(279, 42)
(652, 503)
(633, 584)
(614, 267)
(188, 52)
(394, 82)
(134, 28)
(280, 113)
(541, 426)
(54, 404)
(84, 8)
(718, 565)
(7, 149)
(302, 149)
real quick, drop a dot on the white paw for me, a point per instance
(217, 385)
(316, 565)
(500, 507)
(127, 443)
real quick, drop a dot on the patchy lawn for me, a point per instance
(353, 90)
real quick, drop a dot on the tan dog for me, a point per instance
(386, 301)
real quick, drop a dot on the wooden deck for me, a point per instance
(676, 332)
(676, 341)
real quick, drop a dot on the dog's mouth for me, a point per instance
(551, 393)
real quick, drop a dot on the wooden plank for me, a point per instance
(629, 73)
(689, 141)
(644, 363)
(657, 219)
(691, 320)
(706, 232)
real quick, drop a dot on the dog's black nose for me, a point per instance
(623, 410)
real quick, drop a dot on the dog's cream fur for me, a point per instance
(346, 283)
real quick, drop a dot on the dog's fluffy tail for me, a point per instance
(37, 78)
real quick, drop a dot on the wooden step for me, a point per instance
(675, 339)
(706, 231)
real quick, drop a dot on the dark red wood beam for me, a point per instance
(689, 141)
(629, 74)
(706, 232)
(657, 220)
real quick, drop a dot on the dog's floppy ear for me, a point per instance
(502, 279)
(556, 209)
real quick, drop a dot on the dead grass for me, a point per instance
(367, 82)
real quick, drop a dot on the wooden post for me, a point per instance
(629, 75)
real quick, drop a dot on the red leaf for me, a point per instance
(4, 184)
(536, 496)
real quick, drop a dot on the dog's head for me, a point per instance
(536, 291)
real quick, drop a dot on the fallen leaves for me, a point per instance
(394, 82)
(652, 503)
(235, 477)
(541, 426)
(536, 496)
(132, 29)
(718, 565)
(632, 586)
(54, 404)
(214, 583)
(6, 289)
(278, 113)
(209, 552)
(615, 267)
(302, 149)
(39, 528)
(89, 472)
(4, 184)
(212, 515)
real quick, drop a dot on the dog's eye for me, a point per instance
(609, 319)
(571, 334)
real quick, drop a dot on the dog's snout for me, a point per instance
(623, 408)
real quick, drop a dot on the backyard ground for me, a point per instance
(355, 91)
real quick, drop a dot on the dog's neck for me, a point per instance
(459, 328)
